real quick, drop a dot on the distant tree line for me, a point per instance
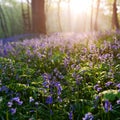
(39, 16)
(35, 19)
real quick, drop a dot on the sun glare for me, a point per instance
(80, 6)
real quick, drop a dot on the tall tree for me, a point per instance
(38, 16)
(115, 23)
(3, 23)
(96, 17)
(59, 23)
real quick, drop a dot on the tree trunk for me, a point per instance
(38, 16)
(115, 23)
(59, 22)
(96, 18)
(3, 23)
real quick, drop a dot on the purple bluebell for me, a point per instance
(32, 111)
(59, 99)
(10, 104)
(71, 115)
(96, 86)
(5, 51)
(13, 111)
(118, 101)
(97, 97)
(118, 85)
(17, 100)
(107, 106)
(46, 84)
(88, 116)
(109, 83)
(4, 89)
(49, 100)
(36, 103)
(96, 101)
(99, 89)
(31, 99)
(59, 88)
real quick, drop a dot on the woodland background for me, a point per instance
(49, 16)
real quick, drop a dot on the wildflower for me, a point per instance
(108, 84)
(88, 116)
(59, 88)
(59, 99)
(49, 100)
(118, 101)
(96, 86)
(96, 101)
(107, 106)
(46, 84)
(13, 111)
(20, 102)
(97, 97)
(4, 88)
(36, 103)
(71, 115)
(17, 99)
(32, 111)
(31, 99)
(5, 51)
(99, 89)
(118, 85)
(10, 104)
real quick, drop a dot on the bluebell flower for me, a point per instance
(36, 103)
(59, 99)
(88, 116)
(20, 102)
(32, 111)
(31, 99)
(5, 51)
(49, 100)
(96, 86)
(17, 99)
(107, 106)
(10, 104)
(109, 83)
(118, 101)
(97, 97)
(59, 88)
(99, 89)
(96, 101)
(46, 84)
(4, 89)
(13, 111)
(71, 115)
(118, 85)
